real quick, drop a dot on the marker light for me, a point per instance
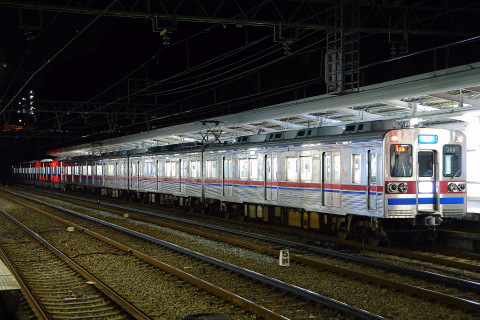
(427, 139)
(459, 139)
(402, 187)
(393, 138)
(452, 187)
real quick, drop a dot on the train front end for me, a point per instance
(425, 175)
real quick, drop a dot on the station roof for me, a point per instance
(427, 99)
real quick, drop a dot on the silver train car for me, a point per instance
(366, 178)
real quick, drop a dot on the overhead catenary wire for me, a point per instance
(177, 75)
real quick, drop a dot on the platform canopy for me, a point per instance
(440, 98)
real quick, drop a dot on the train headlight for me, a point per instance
(462, 186)
(402, 187)
(392, 187)
(452, 187)
(425, 186)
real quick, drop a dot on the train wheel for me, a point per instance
(374, 240)
(342, 231)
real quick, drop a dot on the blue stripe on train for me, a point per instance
(412, 201)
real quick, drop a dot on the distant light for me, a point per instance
(427, 139)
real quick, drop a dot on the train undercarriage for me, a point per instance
(369, 229)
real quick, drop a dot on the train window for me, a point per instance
(253, 168)
(99, 170)
(195, 169)
(243, 168)
(336, 167)
(134, 169)
(211, 169)
(425, 164)
(184, 168)
(292, 171)
(173, 172)
(306, 168)
(89, 170)
(401, 160)
(372, 168)
(356, 169)
(268, 168)
(161, 168)
(170, 169)
(452, 161)
(275, 168)
(149, 170)
(227, 168)
(271, 168)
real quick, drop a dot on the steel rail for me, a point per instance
(286, 287)
(429, 294)
(249, 305)
(421, 257)
(34, 304)
(460, 283)
(111, 294)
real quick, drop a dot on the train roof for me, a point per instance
(318, 132)
(360, 130)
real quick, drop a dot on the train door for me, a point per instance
(157, 175)
(336, 186)
(426, 181)
(182, 166)
(227, 178)
(122, 175)
(134, 174)
(327, 179)
(271, 168)
(372, 180)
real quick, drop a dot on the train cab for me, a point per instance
(425, 175)
(48, 173)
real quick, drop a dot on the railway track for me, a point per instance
(450, 261)
(266, 291)
(428, 293)
(57, 287)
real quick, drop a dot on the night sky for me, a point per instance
(203, 71)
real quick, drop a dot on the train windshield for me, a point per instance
(401, 160)
(425, 164)
(452, 164)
